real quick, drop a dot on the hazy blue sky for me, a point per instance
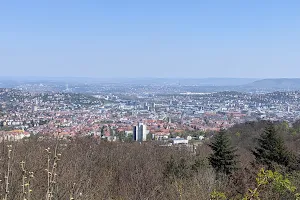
(155, 38)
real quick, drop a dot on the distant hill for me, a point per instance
(217, 81)
(134, 81)
(280, 83)
(188, 81)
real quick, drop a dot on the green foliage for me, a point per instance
(215, 195)
(277, 181)
(149, 137)
(271, 149)
(265, 180)
(123, 138)
(294, 132)
(223, 158)
(285, 125)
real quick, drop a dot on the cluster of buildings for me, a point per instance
(138, 116)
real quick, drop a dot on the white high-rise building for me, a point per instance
(140, 132)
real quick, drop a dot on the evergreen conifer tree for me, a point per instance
(223, 158)
(271, 149)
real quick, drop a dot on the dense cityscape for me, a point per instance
(113, 115)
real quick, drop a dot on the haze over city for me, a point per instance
(179, 39)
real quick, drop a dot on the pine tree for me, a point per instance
(271, 149)
(223, 158)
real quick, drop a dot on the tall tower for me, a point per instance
(143, 132)
(140, 132)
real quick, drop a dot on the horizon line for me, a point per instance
(152, 77)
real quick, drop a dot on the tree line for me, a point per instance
(258, 160)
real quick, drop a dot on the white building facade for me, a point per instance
(140, 132)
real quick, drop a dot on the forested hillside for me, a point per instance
(248, 161)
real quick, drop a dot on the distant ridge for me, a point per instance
(279, 83)
(142, 80)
